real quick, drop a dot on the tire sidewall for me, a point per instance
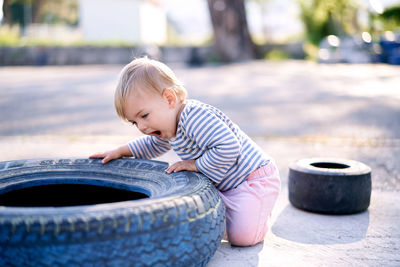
(181, 223)
(329, 190)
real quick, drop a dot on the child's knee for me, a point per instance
(248, 236)
(242, 240)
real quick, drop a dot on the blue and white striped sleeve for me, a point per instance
(220, 144)
(148, 147)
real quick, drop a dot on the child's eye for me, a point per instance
(145, 115)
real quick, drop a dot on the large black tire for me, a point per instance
(181, 223)
(331, 186)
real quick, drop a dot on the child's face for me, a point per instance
(152, 113)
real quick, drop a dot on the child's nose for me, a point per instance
(141, 126)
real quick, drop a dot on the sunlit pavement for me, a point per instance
(292, 109)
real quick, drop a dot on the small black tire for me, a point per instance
(181, 223)
(330, 185)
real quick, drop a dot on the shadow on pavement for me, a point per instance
(310, 228)
(232, 256)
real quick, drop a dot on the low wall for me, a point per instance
(77, 55)
(58, 55)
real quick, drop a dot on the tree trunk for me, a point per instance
(231, 34)
(7, 12)
(36, 10)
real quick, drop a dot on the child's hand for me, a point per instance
(117, 153)
(106, 156)
(184, 165)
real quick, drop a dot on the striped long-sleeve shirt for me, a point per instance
(223, 153)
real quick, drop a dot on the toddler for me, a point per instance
(150, 96)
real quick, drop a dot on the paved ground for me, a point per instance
(292, 109)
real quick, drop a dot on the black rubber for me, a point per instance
(329, 185)
(176, 220)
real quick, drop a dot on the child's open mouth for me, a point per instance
(156, 133)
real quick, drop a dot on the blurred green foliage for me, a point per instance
(325, 17)
(23, 12)
(9, 36)
(276, 55)
(340, 17)
(391, 18)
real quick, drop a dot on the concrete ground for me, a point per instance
(292, 109)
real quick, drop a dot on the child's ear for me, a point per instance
(170, 96)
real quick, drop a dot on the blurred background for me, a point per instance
(305, 77)
(60, 32)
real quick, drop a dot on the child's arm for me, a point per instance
(145, 147)
(122, 151)
(148, 147)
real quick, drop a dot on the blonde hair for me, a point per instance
(145, 74)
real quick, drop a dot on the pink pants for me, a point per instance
(249, 206)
